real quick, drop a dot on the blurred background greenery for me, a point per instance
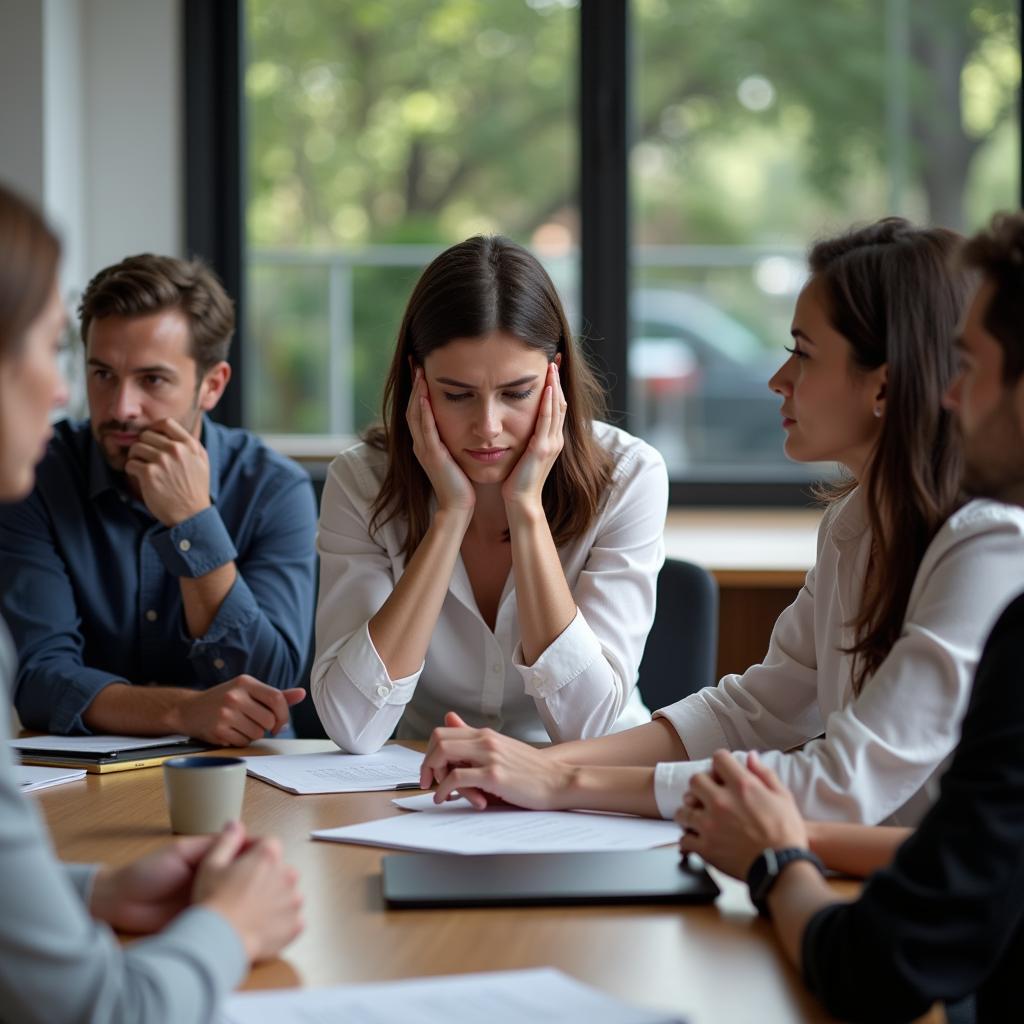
(380, 131)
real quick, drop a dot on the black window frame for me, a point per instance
(216, 192)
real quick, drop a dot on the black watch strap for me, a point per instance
(765, 871)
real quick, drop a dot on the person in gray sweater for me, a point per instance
(208, 906)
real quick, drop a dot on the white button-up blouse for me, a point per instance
(877, 757)
(583, 685)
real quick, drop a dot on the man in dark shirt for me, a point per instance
(946, 917)
(159, 579)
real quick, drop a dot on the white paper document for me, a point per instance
(94, 744)
(543, 996)
(31, 779)
(456, 827)
(392, 767)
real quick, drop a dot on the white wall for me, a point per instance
(91, 98)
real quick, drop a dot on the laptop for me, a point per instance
(419, 880)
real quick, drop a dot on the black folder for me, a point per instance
(418, 880)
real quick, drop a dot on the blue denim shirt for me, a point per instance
(89, 578)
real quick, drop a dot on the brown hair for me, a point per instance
(998, 252)
(141, 285)
(896, 296)
(29, 253)
(479, 286)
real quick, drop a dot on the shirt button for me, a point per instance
(383, 691)
(151, 615)
(218, 662)
(184, 545)
(496, 667)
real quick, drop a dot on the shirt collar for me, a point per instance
(211, 438)
(102, 478)
(852, 520)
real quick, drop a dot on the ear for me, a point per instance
(214, 383)
(558, 360)
(880, 379)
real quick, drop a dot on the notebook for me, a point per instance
(104, 753)
(418, 880)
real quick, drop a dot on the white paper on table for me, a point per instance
(31, 779)
(392, 767)
(456, 827)
(543, 996)
(425, 802)
(94, 744)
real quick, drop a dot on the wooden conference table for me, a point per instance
(710, 964)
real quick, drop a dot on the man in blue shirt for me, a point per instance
(159, 579)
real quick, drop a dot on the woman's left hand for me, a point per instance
(524, 484)
(733, 813)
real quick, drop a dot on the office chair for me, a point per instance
(682, 647)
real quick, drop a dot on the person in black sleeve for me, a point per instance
(944, 918)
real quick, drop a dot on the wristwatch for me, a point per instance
(765, 871)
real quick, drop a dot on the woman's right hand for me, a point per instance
(248, 883)
(486, 767)
(451, 486)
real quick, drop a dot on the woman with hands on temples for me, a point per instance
(492, 548)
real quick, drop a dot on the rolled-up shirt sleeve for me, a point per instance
(263, 625)
(584, 679)
(882, 746)
(358, 702)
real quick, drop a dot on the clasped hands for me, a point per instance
(242, 877)
(524, 485)
(735, 811)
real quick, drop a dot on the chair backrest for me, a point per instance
(305, 720)
(682, 647)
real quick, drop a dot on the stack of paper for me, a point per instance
(32, 779)
(456, 827)
(392, 767)
(544, 996)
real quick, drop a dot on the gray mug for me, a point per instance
(204, 793)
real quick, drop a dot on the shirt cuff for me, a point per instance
(205, 935)
(671, 781)
(696, 725)
(568, 656)
(83, 878)
(196, 546)
(82, 686)
(359, 661)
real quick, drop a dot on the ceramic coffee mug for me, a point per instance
(203, 793)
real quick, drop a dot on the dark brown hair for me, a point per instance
(473, 289)
(29, 253)
(146, 284)
(998, 252)
(896, 295)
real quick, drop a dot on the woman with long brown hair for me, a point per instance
(209, 904)
(492, 547)
(858, 702)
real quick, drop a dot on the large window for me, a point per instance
(761, 126)
(377, 133)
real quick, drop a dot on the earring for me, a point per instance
(878, 412)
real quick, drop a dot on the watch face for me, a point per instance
(762, 874)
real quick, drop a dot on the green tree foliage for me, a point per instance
(381, 122)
